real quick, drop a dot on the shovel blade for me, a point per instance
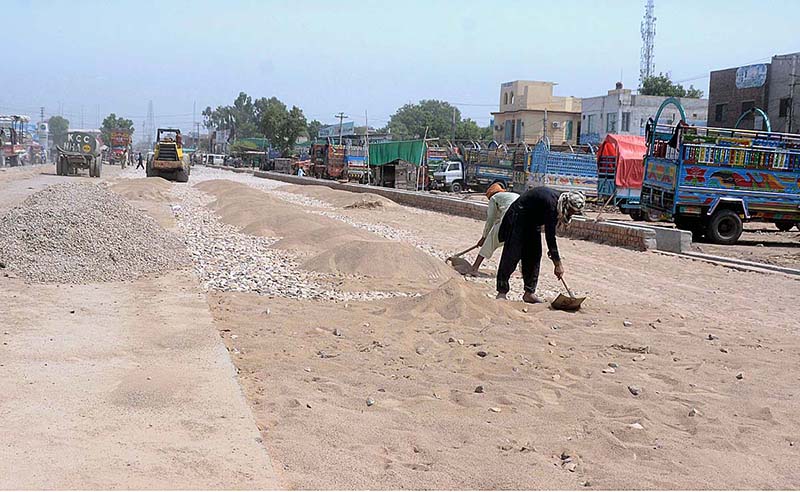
(566, 303)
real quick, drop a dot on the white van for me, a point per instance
(215, 159)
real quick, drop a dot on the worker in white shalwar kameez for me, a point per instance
(499, 201)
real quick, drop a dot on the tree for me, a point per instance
(239, 118)
(58, 129)
(468, 129)
(412, 120)
(661, 85)
(313, 129)
(280, 126)
(111, 123)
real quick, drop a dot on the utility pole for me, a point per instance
(366, 144)
(341, 117)
(544, 124)
(453, 129)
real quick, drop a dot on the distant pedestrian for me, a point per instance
(300, 171)
(139, 161)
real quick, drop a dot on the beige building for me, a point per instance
(529, 110)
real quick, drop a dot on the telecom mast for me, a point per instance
(150, 125)
(647, 65)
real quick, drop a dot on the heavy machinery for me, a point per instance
(80, 150)
(168, 160)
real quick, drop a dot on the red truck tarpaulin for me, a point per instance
(629, 151)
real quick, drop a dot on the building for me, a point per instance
(622, 112)
(529, 111)
(769, 87)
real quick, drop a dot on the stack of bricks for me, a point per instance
(626, 236)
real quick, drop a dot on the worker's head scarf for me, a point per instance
(569, 204)
(494, 189)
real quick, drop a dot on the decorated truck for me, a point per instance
(564, 169)
(12, 139)
(327, 161)
(620, 170)
(479, 169)
(119, 151)
(711, 180)
(80, 150)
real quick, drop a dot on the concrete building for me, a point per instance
(625, 113)
(767, 86)
(529, 110)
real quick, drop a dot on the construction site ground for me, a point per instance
(360, 360)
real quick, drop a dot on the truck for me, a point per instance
(568, 168)
(168, 160)
(80, 150)
(119, 151)
(12, 139)
(710, 180)
(479, 169)
(620, 169)
(327, 161)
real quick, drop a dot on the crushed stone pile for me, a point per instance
(83, 233)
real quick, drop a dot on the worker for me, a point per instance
(499, 201)
(520, 231)
(139, 161)
(300, 171)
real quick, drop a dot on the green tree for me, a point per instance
(111, 123)
(411, 120)
(282, 127)
(661, 85)
(313, 129)
(239, 118)
(467, 129)
(58, 129)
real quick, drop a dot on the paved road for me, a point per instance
(119, 385)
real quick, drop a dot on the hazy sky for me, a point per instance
(85, 58)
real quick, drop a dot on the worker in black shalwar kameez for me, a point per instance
(520, 232)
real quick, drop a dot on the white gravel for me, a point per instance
(81, 233)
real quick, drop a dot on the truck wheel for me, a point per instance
(784, 225)
(60, 167)
(456, 187)
(725, 227)
(651, 215)
(636, 214)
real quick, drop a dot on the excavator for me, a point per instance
(168, 160)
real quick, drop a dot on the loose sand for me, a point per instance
(548, 386)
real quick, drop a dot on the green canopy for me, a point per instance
(407, 150)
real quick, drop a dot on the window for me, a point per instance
(719, 112)
(511, 99)
(785, 107)
(568, 131)
(590, 123)
(626, 122)
(611, 122)
(505, 98)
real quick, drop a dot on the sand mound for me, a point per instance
(80, 233)
(340, 198)
(144, 189)
(455, 299)
(322, 238)
(380, 259)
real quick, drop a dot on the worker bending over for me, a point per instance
(499, 201)
(520, 231)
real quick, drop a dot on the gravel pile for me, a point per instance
(81, 233)
(226, 259)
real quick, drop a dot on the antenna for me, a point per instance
(647, 65)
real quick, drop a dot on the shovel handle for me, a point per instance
(566, 287)
(464, 252)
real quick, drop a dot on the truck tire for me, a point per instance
(98, 167)
(456, 187)
(725, 227)
(651, 215)
(60, 167)
(784, 225)
(636, 214)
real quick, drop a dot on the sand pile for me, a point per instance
(341, 198)
(380, 259)
(322, 238)
(144, 189)
(81, 233)
(455, 300)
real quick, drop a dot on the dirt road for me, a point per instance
(118, 385)
(366, 364)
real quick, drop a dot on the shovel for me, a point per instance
(564, 303)
(459, 264)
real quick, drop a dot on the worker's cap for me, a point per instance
(570, 203)
(494, 189)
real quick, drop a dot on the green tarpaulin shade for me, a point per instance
(407, 150)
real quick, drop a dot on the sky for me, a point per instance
(85, 59)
